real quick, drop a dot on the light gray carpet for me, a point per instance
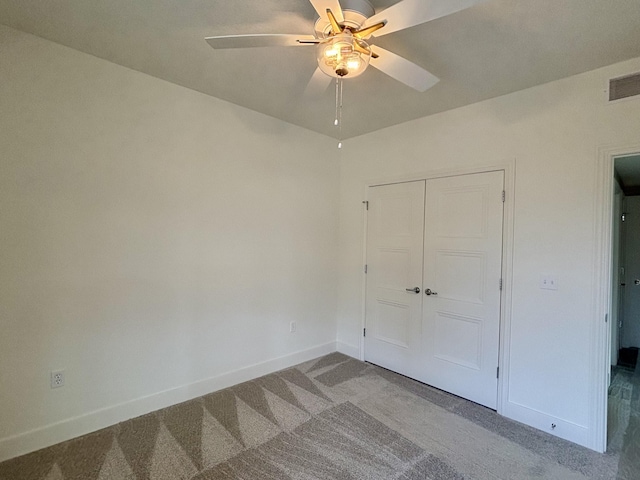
(334, 418)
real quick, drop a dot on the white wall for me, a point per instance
(630, 336)
(553, 133)
(152, 240)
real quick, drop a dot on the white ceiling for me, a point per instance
(491, 49)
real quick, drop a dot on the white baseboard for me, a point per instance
(347, 349)
(563, 428)
(48, 435)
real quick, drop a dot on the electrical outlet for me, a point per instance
(292, 327)
(57, 379)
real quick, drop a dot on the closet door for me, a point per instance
(394, 279)
(462, 282)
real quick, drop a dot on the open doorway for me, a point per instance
(624, 382)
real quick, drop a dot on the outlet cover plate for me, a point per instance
(57, 378)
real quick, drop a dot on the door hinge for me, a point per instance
(606, 318)
(504, 196)
(497, 372)
(366, 204)
(500, 284)
(623, 217)
(364, 332)
(365, 268)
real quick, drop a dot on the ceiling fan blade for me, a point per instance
(318, 84)
(403, 70)
(261, 40)
(322, 6)
(409, 13)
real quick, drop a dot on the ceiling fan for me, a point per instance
(344, 32)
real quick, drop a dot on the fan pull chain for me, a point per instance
(338, 121)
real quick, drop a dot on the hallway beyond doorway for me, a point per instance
(624, 420)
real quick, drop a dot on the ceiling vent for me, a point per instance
(624, 87)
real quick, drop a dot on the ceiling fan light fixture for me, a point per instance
(340, 56)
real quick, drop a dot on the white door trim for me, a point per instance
(601, 330)
(509, 168)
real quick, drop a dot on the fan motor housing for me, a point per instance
(355, 14)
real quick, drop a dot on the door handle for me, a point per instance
(414, 290)
(429, 292)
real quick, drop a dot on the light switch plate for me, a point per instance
(548, 282)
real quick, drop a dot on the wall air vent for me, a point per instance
(624, 87)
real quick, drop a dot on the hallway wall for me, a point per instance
(630, 336)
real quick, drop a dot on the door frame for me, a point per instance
(602, 304)
(509, 169)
